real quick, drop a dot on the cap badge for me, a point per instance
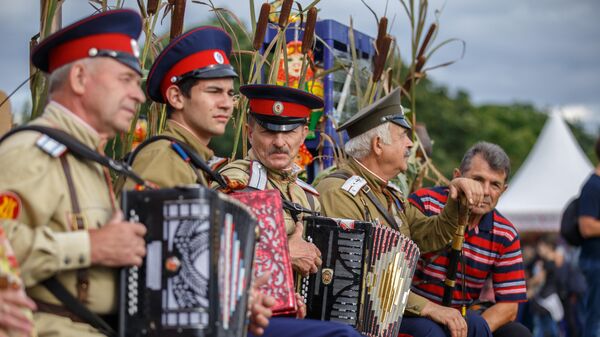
(92, 52)
(135, 48)
(219, 57)
(277, 108)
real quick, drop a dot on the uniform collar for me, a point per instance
(281, 175)
(62, 118)
(372, 178)
(182, 133)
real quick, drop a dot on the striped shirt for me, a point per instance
(491, 250)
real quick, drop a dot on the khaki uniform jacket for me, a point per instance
(160, 164)
(237, 173)
(428, 233)
(44, 237)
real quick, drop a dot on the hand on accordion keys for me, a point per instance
(259, 306)
(118, 243)
(306, 257)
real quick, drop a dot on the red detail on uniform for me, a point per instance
(10, 205)
(198, 60)
(77, 49)
(265, 107)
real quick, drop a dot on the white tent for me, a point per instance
(552, 174)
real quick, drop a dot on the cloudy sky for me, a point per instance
(541, 52)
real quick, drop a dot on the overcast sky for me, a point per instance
(541, 52)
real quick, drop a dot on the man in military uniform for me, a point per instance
(64, 224)
(192, 75)
(277, 126)
(378, 149)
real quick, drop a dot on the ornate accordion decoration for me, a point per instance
(365, 277)
(198, 266)
(272, 253)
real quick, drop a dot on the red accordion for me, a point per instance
(272, 252)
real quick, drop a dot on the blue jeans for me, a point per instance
(544, 325)
(591, 326)
(425, 327)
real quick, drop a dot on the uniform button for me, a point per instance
(67, 260)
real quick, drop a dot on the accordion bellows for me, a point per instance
(195, 277)
(272, 253)
(365, 277)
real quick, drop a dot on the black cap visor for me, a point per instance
(212, 71)
(279, 124)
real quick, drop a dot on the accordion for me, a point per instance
(272, 253)
(198, 266)
(365, 277)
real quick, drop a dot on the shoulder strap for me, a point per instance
(185, 152)
(75, 307)
(78, 149)
(364, 187)
(257, 178)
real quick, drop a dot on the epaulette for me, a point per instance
(216, 163)
(257, 177)
(353, 184)
(306, 186)
(51, 146)
(395, 187)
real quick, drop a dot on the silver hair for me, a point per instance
(493, 154)
(60, 75)
(360, 146)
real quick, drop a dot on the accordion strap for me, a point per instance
(186, 153)
(369, 193)
(76, 307)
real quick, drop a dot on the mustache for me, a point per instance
(279, 150)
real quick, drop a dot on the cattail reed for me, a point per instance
(430, 32)
(284, 15)
(386, 42)
(420, 63)
(177, 18)
(381, 31)
(261, 26)
(152, 7)
(309, 30)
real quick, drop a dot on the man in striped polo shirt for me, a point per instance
(491, 248)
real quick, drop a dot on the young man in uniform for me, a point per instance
(65, 225)
(491, 248)
(193, 76)
(379, 146)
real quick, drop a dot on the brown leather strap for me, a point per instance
(83, 280)
(57, 310)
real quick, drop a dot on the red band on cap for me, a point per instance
(278, 108)
(198, 60)
(80, 48)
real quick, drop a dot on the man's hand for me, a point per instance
(118, 243)
(449, 317)
(259, 307)
(300, 307)
(306, 257)
(472, 190)
(12, 315)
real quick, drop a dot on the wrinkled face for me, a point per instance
(493, 183)
(112, 95)
(394, 156)
(276, 150)
(209, 107)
